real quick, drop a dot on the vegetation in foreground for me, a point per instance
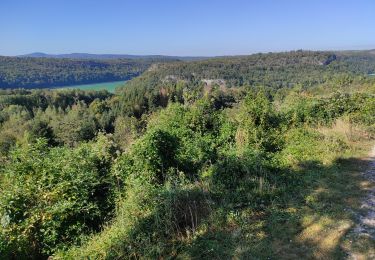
(201, 172)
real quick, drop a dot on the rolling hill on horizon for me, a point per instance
(83, 55)
(274, 69)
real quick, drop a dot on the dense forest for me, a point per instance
(271, 69)
(232, 157)
(26, 72)
(298, 69)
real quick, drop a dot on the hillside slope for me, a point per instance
(25, 72)
(276, 71)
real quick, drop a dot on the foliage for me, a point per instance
(190, 160)
(53, 197)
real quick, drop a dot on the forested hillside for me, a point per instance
(271, 69)
(49, 72)
(298, 69)
(237, 157)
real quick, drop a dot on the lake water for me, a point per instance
(110, 86)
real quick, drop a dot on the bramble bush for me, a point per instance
(53, 196)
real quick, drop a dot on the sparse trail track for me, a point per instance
(366, 219)
(366, 225)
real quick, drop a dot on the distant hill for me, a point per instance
(357, 52)
(109, 56)
(166, 57)
(42, 72)
(274, 70)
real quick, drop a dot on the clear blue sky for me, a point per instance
(184, 27)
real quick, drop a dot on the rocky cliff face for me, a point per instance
(330, 59)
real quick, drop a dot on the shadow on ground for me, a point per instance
(314, 221)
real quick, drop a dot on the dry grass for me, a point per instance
(342, 127)
(320, 226)
(324, 233)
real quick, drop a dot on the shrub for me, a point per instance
(51, 197)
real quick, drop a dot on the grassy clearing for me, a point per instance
(312, 222)
(312, 218)
(316, 228)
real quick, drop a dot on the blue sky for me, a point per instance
(182, 27)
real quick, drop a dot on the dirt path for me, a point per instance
(366, 225)
(365, 229)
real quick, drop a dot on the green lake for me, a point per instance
(110, 86)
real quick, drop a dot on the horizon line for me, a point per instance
(203, 56)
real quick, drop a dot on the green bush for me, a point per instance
(51, 197)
